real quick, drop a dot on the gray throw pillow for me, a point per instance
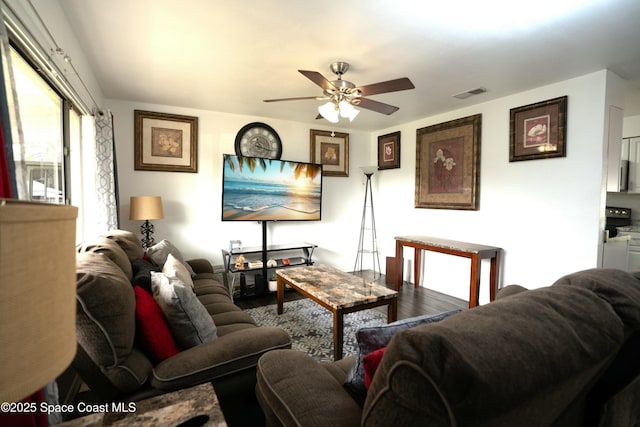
(161, 250)
(372, 338)
(188, 319)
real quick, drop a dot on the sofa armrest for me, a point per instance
(200, 265)
(225, 355)
(293, 389)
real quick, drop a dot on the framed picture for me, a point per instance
(389, 151)
(448, 165)
(165, 142)
(538, 131)
(331, 149)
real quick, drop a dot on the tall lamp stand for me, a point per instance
(373, 249)
(146, 229)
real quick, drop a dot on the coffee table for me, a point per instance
(338, 292)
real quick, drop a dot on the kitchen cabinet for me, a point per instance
(633, 254)
(615, 181)
(631, 151)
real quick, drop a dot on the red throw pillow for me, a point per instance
(370, 363)
(152, 330)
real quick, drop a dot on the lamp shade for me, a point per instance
(38, 304)
(329, 111)
(146, 207)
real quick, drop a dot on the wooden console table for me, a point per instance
(467, 250)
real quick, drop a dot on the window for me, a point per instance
(48, 126)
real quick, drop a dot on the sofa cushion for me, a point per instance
(370, 365)
(617, 287)
(112, 250)
(189, 321)
(372, 338)
(128, 241)
(142, 269)
(105, 321)
(152, 331)
(295, 391)
(161, 250)
(521, 360)
(173, 267)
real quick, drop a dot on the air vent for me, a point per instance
(465, 95)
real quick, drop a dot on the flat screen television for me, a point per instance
(256, 189)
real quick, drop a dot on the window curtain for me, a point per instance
(103, 184)
(10, 186)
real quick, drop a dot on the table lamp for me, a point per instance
(146, 208)
(38, 304)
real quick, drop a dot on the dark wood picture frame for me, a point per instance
(165, 142)
(538, 131)
(389, 151)
(331, 149)
(448, 165)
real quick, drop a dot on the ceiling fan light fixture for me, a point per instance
(347, 111)
(329, 111)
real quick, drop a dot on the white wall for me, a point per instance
(543, 213)
(192, 202)
(631, 127)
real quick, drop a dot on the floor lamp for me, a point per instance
(146, 208)
(373, 250)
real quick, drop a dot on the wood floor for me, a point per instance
(411, 302)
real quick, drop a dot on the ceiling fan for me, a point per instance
(342, 95)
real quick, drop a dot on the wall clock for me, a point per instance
(258, 140)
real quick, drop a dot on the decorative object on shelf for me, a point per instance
(254, 264)
(38, 304)
(235, 245)
(368, 226)
(146, 208)
(448, 165)
(538, 131)
(261, 271)
(272, 263)
(165, 142)
(239, 264)
(273, 283)
(389, 151)
(331, 149)
(258, 140)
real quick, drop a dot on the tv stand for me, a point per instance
(295, 253)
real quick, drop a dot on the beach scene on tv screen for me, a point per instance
(270, 190)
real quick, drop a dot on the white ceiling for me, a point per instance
(229, 55)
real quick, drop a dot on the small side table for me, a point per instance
(169, 409)
(476, 253)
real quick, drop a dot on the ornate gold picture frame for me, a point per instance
(538, 131)
(331, 149)
(165, 142)
(448, 165)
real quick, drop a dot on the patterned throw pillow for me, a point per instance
(373, 338)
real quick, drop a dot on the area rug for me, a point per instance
(311, 326)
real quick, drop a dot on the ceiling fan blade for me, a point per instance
(389, 86)
(318, 79)
(378, 107)
(293, 99)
